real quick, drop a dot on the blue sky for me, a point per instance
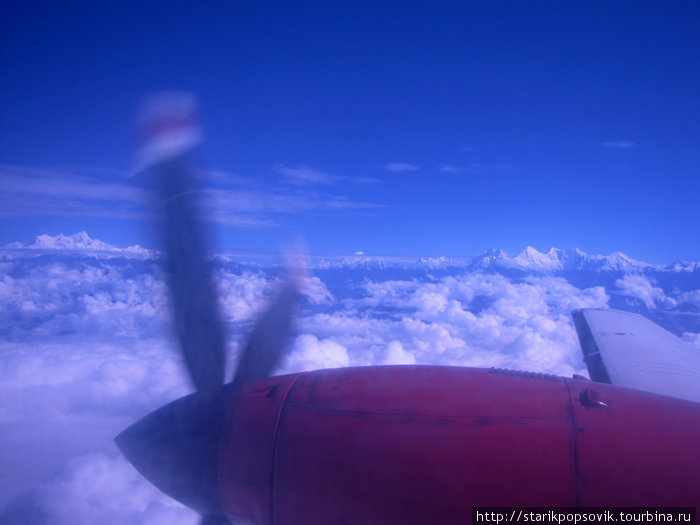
(392, 128)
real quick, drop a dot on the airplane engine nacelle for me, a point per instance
(424, 444)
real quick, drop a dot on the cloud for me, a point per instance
(396, 355)
(474, 167)
(692, 338)
(87, 349)
(641, 288)
(224, 178)
(310, 353)
(620, 144)
(399, 167)
(447, 168)
(232, 201)
(304, 175)
(691, 297)
(97, 488)
(471, 319)
(265, 208)
(30, 192)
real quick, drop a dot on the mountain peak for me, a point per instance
(528, 260)
(78, 241)
(556, 259)
(533, 259)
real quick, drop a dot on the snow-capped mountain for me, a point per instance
(80, 241)
(530, 260)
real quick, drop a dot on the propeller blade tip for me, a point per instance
(167, 126)
(296, 262)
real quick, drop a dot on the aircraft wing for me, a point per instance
(626, 349)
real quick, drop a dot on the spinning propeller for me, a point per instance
(176, 446)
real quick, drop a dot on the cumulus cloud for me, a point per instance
(241, 295)
(691, 297)
(97, 488)
(396, 355)
(469, 319)
(639, 287)
(310, 353)
(398, 167)
(87, 349)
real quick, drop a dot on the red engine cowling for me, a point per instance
(424, 444)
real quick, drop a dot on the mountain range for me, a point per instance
(530, 260)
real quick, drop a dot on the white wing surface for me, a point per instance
(629, 350)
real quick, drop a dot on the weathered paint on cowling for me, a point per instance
(421, 444)
(640, 449)
(247, 449)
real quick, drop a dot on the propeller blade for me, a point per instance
(192, 290)
(268, 339)
(213, 520)
(176, 447)
(169, 134)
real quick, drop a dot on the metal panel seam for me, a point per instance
(574, 429)
(425, 416)
(283, 406)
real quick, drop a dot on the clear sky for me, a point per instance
(395, 128)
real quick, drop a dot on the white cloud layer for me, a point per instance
(86, 350)
(97, 488)
(642, 288)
